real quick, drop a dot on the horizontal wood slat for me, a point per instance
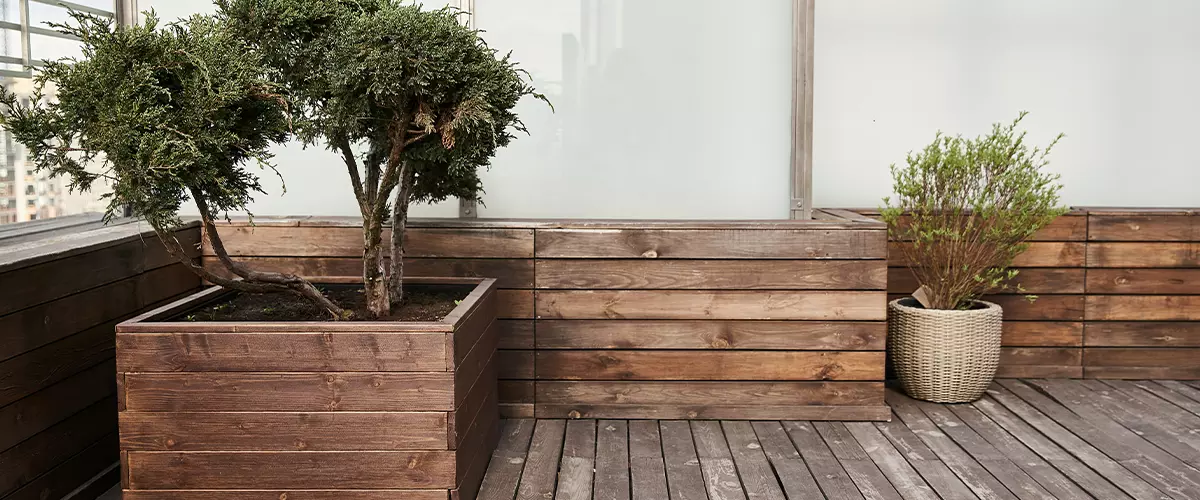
(1043, 333)
(510, 273)
(711, 244)
(1039, 254)
(275, 241)
(42, 409)
(1031, 280)
(708, 365)
(282, 431)
(1144, 281)
(712, 275)
(198, 391)
(290, 494)
(701, 393)
(1143, 334)
(754, 335)
(1104, 254)
(1143, 308)
(716, 412)
(302, 470)
(1144, 228)
(716, 305)
(1070, 227)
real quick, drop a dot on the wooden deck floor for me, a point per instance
(1028, 439)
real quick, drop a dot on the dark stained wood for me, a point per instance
(30, 372)
(708, 365)
(514, 364)
(1132, 357)
(510, 273)
(515, 334)
(1142, 334)
(33, 414)
(685, 480)
(1144, 281)
(306, 351)
(74, 472)
(515, 304)
(1125, 255)
(508, 460)
(1143, 307)
(757, 477)
(699, 334)
(291, 494)
(1023, 362)
(301, 470)
(273, 241)
(516, 391)
(301, 392)
(578, 461)
(711, 244)
(710, 305)
(714, 412)
(1143, 228)
(541, 464)
(1040, 254)
(648, 474)
(702, 393)
(716, 462)
(46, 450)
(659, 274)
(1032, 280)
(1043, 334)
(612, 461)
(1043, 308)
(279, 431)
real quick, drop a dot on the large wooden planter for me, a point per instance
(308, 410)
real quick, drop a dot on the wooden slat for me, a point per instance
(1043, 334)
(578, 461)
(648, 474)
(1144, 281)
(37, 412)
(1143, 228)
(1132, 357)
(516, 391)
(73, 473)
(834, 480)
(274, 241)
(870, 480)
(514, 304)
(758, 479)
(1143, 307)
(1142, 334)
(300, 470)
(508, 460)
(298, 351)
(1143, 255)
(714, 412)
(710, 305)
(702, 393)
(541, 464)
(281, 431)
(716, 462)
(290, 494)
(1039, 254)
(612, 460)
(795, 478)
(708, 365)
(1048, 356)
(31, 372)
(697, 334)
(300, 392)
(891, 463)
(509, 273)
(515, 334)
(684, 477)
(1032, 280)
(515, 364)
(1043, 308)
(46, 450)
(711, 244)
(711, 274)
(1071, 227)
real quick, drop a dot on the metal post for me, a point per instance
(126, 12)
(803, 13)
(26, 52)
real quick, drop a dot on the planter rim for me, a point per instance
(146, 322)
(989, 308)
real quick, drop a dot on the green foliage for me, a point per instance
(968, 206)
(378, 74)
(160, 113)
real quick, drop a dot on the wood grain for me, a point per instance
(583, 274)
(1136, 255)
(31, 372)
(290, 494)
(707, 365)
(696, 334)
(300, 470)
(714, 393)
(712, 305)
(302, 392)
(1144, 228)
(1142, 334)
(46, 450)
(1039, 254)
(283, 431)
(37, 412)
(1043, 334)
(510, 273)
(711, 244)
(1071, 227)
(1133, 357)
(1144, 281)
(1032, 280)
(273, 241)
(1143, 307)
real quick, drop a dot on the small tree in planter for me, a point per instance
(413, 101)
(161, 115)
(964, 209)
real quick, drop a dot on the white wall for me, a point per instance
(1118, 77)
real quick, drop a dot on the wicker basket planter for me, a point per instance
(944, 356)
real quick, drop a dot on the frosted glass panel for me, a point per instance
(1118, 77)
(664, 108)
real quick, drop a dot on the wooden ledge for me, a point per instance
(830, 220)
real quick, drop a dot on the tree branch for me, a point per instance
(355, 178)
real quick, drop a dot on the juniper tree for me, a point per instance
(162, 115)
(413, 101)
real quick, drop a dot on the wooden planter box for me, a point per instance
(308, 410)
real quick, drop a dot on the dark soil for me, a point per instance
(422, 303)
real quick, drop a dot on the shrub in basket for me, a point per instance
(963, 209)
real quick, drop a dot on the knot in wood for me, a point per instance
(650, 254)
(574, 414)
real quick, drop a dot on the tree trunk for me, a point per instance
(399, 225)
(374, 281)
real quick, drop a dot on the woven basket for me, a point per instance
(944, 356)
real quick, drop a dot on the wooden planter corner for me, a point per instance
(312, 410)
